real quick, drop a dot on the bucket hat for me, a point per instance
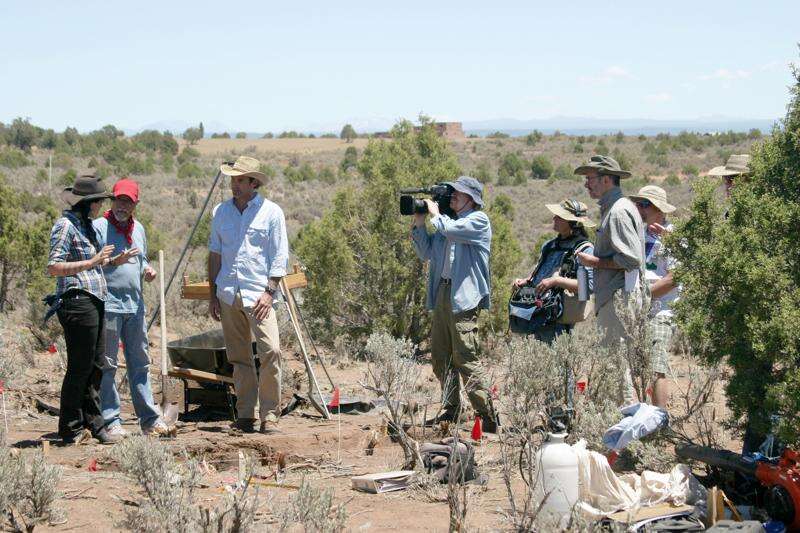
(656, 195)
(244, 166)
(571, 210)
(604, 165)
(86, 188)
(736, 165)
(468, 185)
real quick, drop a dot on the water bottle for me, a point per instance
(583, 283)
(557, 476)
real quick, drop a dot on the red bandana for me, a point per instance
(126, 228)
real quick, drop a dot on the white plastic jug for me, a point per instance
(557, 475)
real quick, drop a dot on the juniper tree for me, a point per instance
(739, 265)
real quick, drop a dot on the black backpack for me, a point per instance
(437, 458)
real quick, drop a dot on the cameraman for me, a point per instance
(458, 288)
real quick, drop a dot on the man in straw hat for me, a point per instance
(651, 201)
(554, 269)
(458, 288)
(248, 255)
(618, 259)
(736, 166)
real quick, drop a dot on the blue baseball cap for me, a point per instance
(469, 185)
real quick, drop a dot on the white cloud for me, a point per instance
(608, 75)
(658, 98)
(727, 75)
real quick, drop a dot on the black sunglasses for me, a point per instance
(644, 204)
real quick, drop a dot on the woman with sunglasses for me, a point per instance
(651, 201)
(557, 266)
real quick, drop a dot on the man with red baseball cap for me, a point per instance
(125, 313)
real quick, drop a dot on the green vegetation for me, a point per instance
(25, 223)
(513, 169)
(741, 277)
(363, 238)
(541, 167)
(348, 133)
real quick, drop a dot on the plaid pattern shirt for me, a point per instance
(69, 243)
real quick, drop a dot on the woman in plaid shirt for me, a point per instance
(76, 260)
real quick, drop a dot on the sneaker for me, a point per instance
(159, 429)
(117, 429)
(245, 425)
(269, 424)
(105, 436)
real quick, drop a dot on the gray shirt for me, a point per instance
(620, 237)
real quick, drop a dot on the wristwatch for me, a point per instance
(271, 290)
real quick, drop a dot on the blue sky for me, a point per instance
(266, 66)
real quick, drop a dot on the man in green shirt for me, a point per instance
(618, 257)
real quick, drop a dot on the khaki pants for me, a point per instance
(454, 354)
(613, 334)
(239, 328)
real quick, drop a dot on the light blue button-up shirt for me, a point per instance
(124, 281)
(253, 246)
(471, 234)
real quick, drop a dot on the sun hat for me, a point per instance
(656, 195)
(126, 187)
(604, 165)
(86, 187)
(736, 165)
(244, 166)
(469, 185)
(571, 210)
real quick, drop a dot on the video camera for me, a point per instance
(439, 193)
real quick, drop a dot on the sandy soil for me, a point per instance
(312, 446)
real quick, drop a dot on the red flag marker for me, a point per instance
(581, 386)
(52, 348)
(477, 432)
(612, 457)
(92, 465)
(1, 386)
(334, 399)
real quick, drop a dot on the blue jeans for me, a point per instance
(130, 329)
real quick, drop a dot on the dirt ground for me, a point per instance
(326, 452)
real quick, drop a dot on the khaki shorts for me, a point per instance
(663, 328)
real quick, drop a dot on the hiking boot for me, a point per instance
(245, 425)
(269, 424)
(489, 424)
(105, 436)
(159, 429)
(81, 437)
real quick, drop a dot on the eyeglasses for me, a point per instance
(644, 204)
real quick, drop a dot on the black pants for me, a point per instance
(81, 315)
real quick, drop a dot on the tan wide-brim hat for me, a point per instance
(571, 210)
(244, 166)
(656, 195)
(737, 165)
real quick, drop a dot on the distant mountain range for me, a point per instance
(510, 126)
